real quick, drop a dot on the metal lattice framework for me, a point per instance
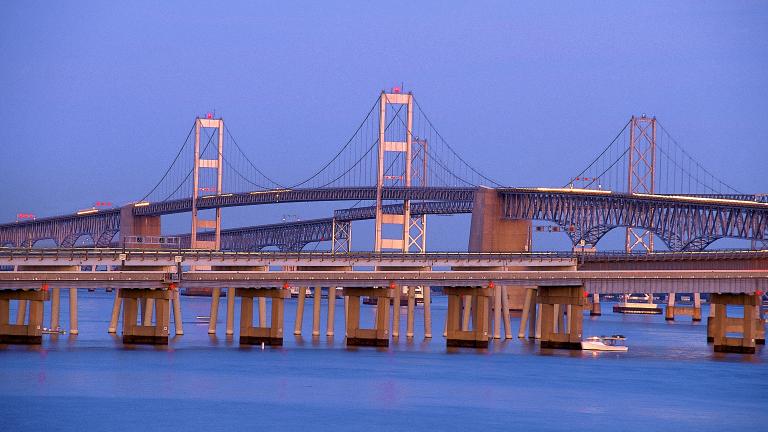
(684, 224)
(64, 230)
(286, 236)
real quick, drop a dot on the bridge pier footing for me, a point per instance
(553, 300)
(720, 325)
(145, 333)
(30, 333)
(268, 335)
(379, 334)
(476, 301)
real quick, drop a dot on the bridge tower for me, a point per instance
(403, 145)
(200, 167)
(642, 174)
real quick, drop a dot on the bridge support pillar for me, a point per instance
(55, 307)
(476, 307)
(30, 333)
(134, 333)
(268, 335)
(674, 310)
(555, 333)
(721, 325)
(379, 334)
(300, 311)
(115, 312)
(596, 310)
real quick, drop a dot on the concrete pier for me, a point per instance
(115, 312)
(459, 333)
(554, 332)
(316, 311)
(300, 311)
(30, 330)
(73, 325)
(379, 334)
(329, 330)
(214, 314)
(55, 307)
(596, 310)
(427, 312)
(268, 335)
(673, 310)
(721, 325)
(156, 333)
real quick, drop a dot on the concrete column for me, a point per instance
(300, 311)
(262, 312)
(696, 307)
(73, 311)
(669, 314)
(21, 312)
(410, 312)
(177, 319)
(467, 301)
(396, 311)
(525, 315)
(316, 311)
(427, 312)
(115, 312)
(149, 306)
(346, 313)
(214, 315)
(331, 311)
(596, 309)
(230, 311)
(505, 312)
(55, 308)
(497, 312)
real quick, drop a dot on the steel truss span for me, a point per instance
(683, 223)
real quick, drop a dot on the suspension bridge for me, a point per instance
(396, 169)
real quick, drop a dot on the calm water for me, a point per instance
(669, 380)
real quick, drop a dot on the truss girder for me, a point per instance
(288, 237)
(64, 231)
(308, 195)
(683, 226)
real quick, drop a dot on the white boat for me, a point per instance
(605, 343)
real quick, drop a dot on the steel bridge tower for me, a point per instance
(198, 222)
(413, 228)
(642, 174)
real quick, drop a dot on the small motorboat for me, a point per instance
(605, 343)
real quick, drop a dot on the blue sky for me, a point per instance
(97, 96)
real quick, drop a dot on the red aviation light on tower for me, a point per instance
(396, 90)
(209, 116)
(102, 204)
(25, 216)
